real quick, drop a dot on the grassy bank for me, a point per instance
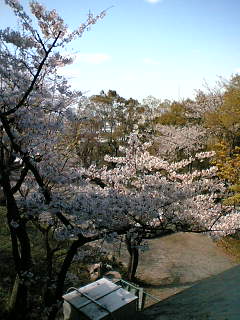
(231, 245)
(7, 265)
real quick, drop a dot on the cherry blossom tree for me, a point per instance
(34, 105)
(203, 103)
(149, 195)
(174, 142)
(43, 182)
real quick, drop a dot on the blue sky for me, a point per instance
(165, 48)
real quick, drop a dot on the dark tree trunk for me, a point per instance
(133, 257)
(17, 306)
(62, 275)
(2, 198)
(21, 251)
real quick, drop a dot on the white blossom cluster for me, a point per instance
(185, 141)
(204, 102)
(150, 189)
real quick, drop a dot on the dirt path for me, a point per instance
(178, 261)
(181, 261)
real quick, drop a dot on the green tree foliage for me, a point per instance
(174, 116)
(103, 126)
(228, 163)
(224, 122)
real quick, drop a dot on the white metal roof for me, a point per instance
(96, 300)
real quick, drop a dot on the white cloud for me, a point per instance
(237, 70)
(95, 58)
(151, 61)
(154, 1)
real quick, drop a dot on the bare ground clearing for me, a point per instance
(178, 262)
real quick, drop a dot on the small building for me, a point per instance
(99, 300)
